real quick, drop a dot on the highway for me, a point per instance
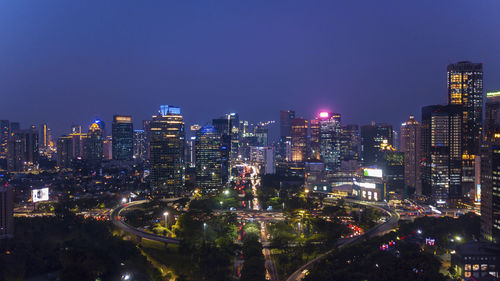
(300, 273)
(115, 217)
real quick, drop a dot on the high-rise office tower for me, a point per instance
(286, 117)
(22, 149)
(492, 115)
(260, 133)
(235, 135)
(146, 128)
(44, 140)
(284, 151)
(329, 139)
(64, 151)
(166, 144)
(412, 149)
(465, 88)
(314, 143)
(4, 137)
(140, 145)
(298, 134)
(372, 137)
(94, 149)
(489, 194)
(349, 142)
(6, 212)
(442, 152)
(227, 128)
(107, 148)
(208, 158)
(123, 137)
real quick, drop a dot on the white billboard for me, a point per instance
(41, 194)
(376, 173)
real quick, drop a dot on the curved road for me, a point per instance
(115, 217)
(377, 230)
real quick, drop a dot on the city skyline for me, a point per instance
(367, 59)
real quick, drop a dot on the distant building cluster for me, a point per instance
(447, 157)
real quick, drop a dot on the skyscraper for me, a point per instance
(372, 137)
(123, 138)
(208, 158)
(94, 149)
(314, 143)
(286, 117)
(329, 139)
(4, 137)
(166, 144)
(412, 149)
(492, 115)
(44, 140)
(64, 151)
(284, 151)
(140, 145)
(298, 134)
(489, 193)
(349, 142)
(6, 212)
(442, 152)
(23, 149)
(465, 88)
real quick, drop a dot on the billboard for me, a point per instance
(41, 194)
(369, 172)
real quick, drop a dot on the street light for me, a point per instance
(166, 219)
(204, 227)
(124, 200)
(419, 231)
(458, 238)
(221, 203)
(226, 192)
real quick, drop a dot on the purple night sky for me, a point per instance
(65, 62)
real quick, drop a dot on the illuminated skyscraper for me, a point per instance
(489, 194)
(372, 137)
(412, 149)
(465, 88)
(442, 152)
(329, 139)
(140, 145)
(298, 134)
(23, 149)
(4, 137)
(123, 138)
(208, 158)
(46, 137)
(167, 137)
(314, 143)
(492, 115)
(94, 149)
(284, 152)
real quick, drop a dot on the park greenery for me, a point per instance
(254, 265)
(71, 248)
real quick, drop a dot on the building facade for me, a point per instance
(122, 130)
(298, 134)
(442, 153)
(208, 159)
(166, 144)
(411, 146)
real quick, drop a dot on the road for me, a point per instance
(300, 273)
(115, 217)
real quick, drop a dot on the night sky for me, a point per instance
(65, 62)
